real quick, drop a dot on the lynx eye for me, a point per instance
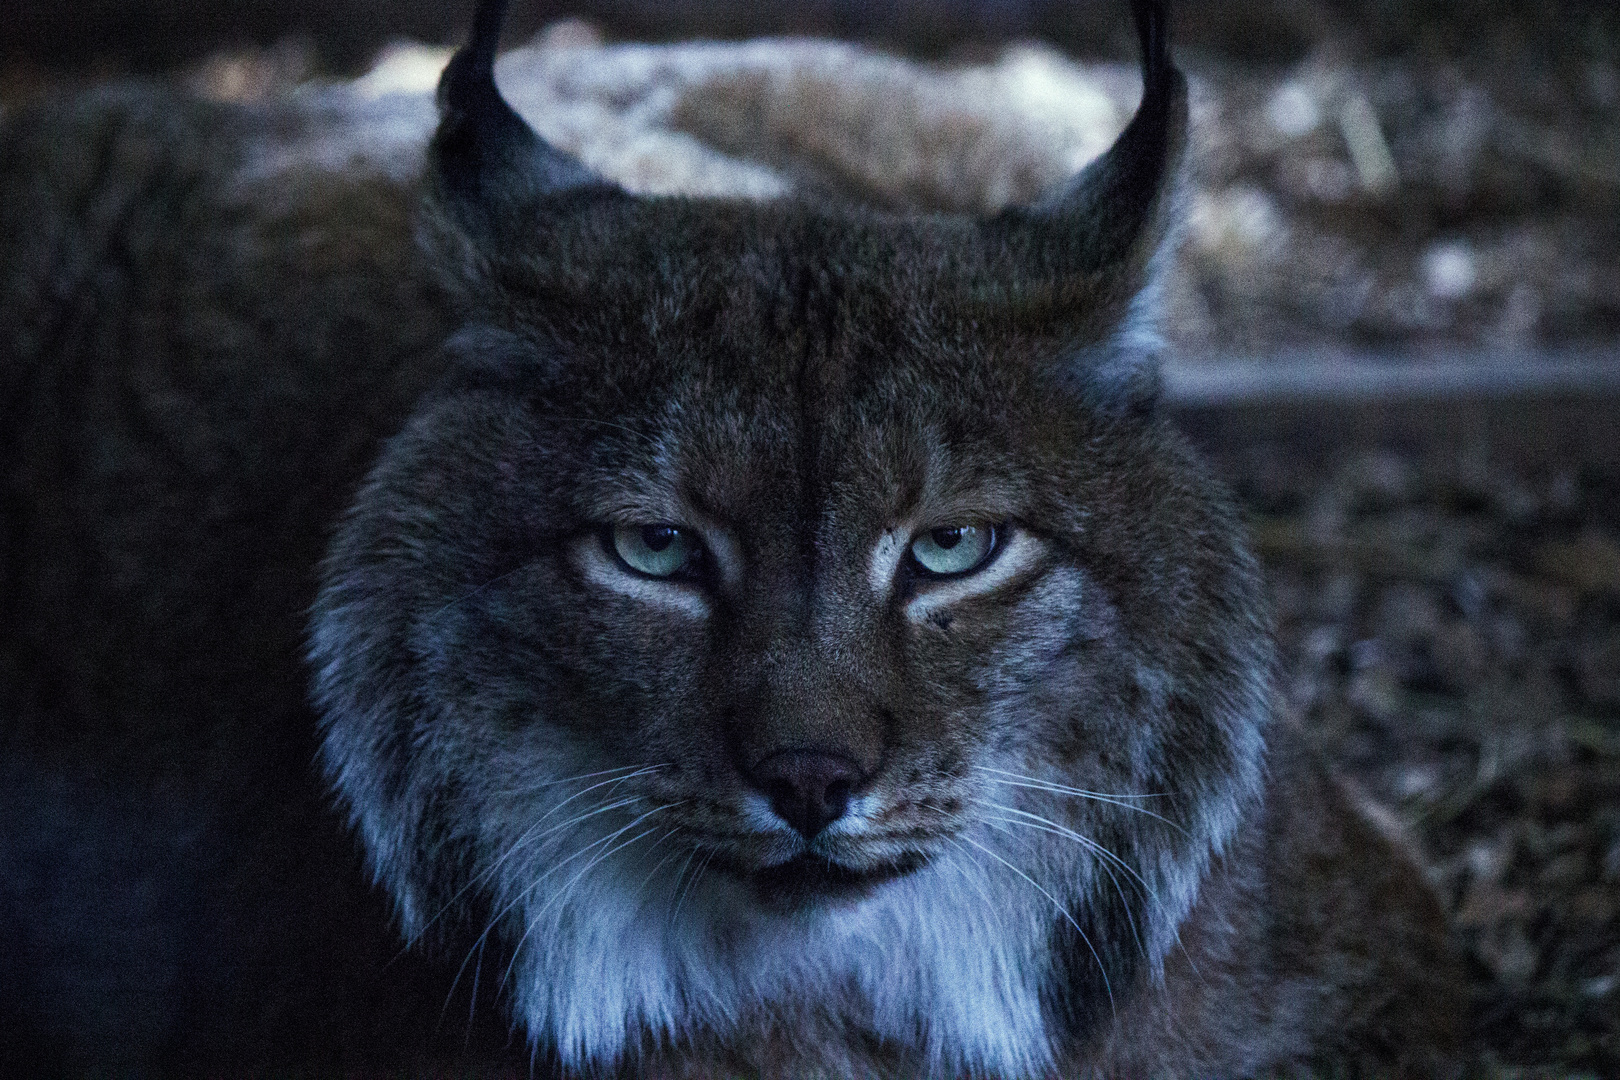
(954, 550)
(659, 551)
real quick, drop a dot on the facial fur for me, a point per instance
(556, 760)
(522, 722)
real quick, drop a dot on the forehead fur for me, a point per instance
(605, 271)
(738, 327)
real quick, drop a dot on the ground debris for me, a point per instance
(1446, 619)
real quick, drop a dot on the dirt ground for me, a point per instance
(1404, 203)
(1447, 590)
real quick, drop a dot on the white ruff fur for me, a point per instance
(629, 937)
(949, 959)
(623, 935)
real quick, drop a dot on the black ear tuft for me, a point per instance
(1152, 28)
(1079, 266)
(1114, 211)
(484, 159)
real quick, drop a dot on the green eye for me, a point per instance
(954, 549)
(659, 551)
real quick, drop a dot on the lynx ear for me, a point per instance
(1080, 263)
(486, 166)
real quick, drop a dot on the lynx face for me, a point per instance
(792, 611)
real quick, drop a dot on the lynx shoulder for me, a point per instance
(760, 631)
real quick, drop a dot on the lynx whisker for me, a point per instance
(472, 1004)
(528, 833)
(584, 815)
(1103, 851)
(1101, 967)
(1035, 821)
(1001, 825)
(631, 771)
(659, 865)
(555, 897)
(1120, 801)
(690, 885)
(680, 875)
(495, 919)
(1036, 780)
(559, 896)
(977, 882)
(528, 836)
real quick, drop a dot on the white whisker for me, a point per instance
(498, 916)
(1047, 825)
(696, 874)
(631, 771)
(1101, 967)
(679, 877)
(527, 835)
(661, 862)
(1108, 856)
(608, 839)
(1114, 878)
(978, 885)
(1053, 785)
(1095, 796)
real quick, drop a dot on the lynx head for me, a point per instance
(794, 609)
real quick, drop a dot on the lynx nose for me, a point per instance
(807, 789)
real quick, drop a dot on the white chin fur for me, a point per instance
(949, 960)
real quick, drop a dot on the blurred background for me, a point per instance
(1395, 327)
(159, 34)
(1368, 172)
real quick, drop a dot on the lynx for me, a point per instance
(773, 637)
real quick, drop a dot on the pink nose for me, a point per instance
(807, 789)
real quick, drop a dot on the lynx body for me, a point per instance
(777, 637)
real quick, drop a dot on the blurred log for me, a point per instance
(1324, 377)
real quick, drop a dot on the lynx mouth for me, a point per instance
(807, 880)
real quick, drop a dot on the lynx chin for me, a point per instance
(766, 637)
